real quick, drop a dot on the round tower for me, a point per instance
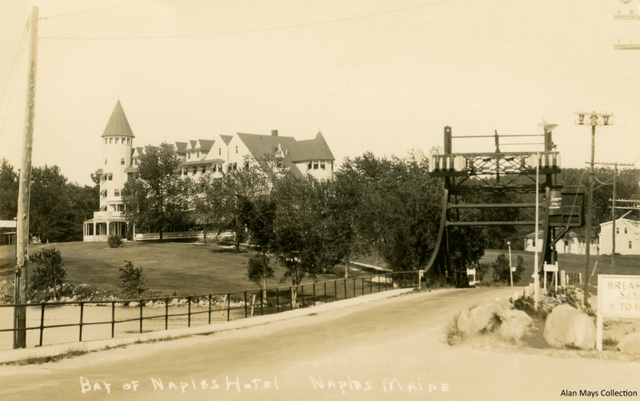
(117, 142)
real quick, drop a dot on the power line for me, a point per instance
(284, 27)
(101, 9)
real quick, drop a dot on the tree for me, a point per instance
(300, 238)
(49, 271)
(158, 199)
(8, 192)
(501, 272)
(50, 208)
(131, 280)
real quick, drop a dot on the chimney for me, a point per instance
(274, 132)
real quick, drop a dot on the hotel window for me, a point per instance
(110, 140)
(195, 170)
(219, 151)
(236, 148)
(315, 165)
(117, 140)
(128, 141)
(198, 154)
(203, 169)
(309, 166)
(630, 245)
(322, 165)
(625, 230)
(110, 176)
(122, 161)
(617, 230)
(116, 192)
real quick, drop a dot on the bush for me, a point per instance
(115, 241)
(131, 280)
(501, 269)
(49, 272)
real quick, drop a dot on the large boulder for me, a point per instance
(514, 324)
(630, 344)
(482, 318)
(568, 327)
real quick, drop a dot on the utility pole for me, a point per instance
(22, 226)
(613, 207)
(595, 119)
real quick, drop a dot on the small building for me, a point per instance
(570, 244)
(8, 232)
(627, 237)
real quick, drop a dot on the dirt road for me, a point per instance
(387, 350)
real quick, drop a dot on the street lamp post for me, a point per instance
(594, 120)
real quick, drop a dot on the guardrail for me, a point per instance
(111, 318)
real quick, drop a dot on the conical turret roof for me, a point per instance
(118, 124)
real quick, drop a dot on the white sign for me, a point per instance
(618, 296)
(8, 224)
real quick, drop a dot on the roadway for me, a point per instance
(390, 349)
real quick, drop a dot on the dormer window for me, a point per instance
(219, 151)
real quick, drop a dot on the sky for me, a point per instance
(373, 76)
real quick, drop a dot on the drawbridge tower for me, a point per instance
(478, 185)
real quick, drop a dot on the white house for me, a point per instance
(571, 244)
(216, 155)
(627, 237)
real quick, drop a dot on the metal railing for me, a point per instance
(117, 317)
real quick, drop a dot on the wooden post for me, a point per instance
(22, 228)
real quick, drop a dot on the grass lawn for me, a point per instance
(183, 268)
(626, 265)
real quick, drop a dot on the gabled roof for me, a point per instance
(622, 221)
(205, 144)
(118, 125)
(260, 145)
(181, 147)
(311, 149)
(226, 138)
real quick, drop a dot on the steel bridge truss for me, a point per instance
(475, 183)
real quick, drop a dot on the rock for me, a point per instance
(134, 304)
(514, 324)
(174, 301)
(479, 319)
(149, 304)
(630, 344)
(567, 326)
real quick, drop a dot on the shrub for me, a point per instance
(131, 280)
(501, 269)
(49, 272)
(115, 241)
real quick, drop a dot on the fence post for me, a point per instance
(344, 283)
(277, 300)
(41, 321)
(314, 294)
(81, 319)
(189, 312)
(324, 293)
(292, 300)
(262, 296)
(301, 295)
(113, 319)
(166, 314)
(228, 307)
(354, 287)
(141, 316)
(362, 285)
(245, 304)
(335, 290)
(209, 308)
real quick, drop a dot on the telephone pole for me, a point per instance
(613, 208)
(22, 226)
(595, 119)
